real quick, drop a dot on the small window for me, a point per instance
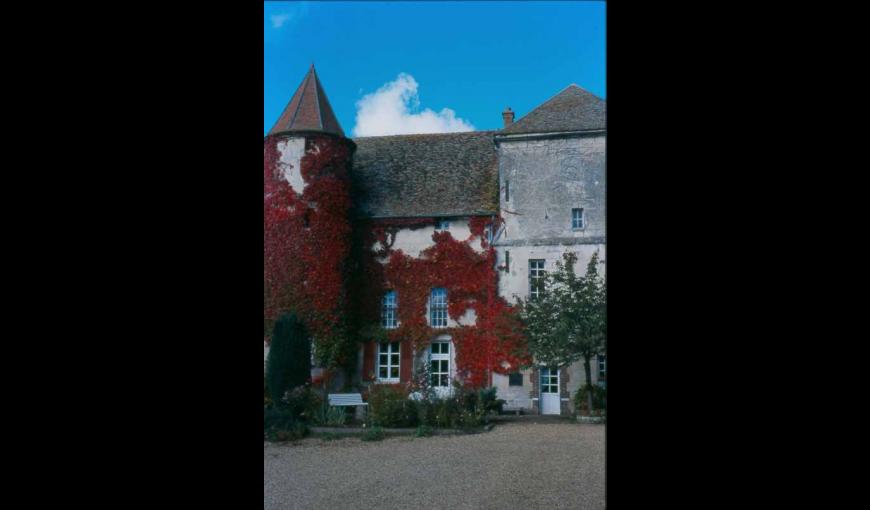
(388, 310)
(602, 366)
(507, 191)
(577, 219)
(438, 308)
(487, 231)
(442, 225)
(515, 379)
(388, 361)
(536, 278)
(507, 260)
(549, 380)
(440, 364)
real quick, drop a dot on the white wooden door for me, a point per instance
(550, 402)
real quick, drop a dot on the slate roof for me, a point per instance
(438, 175)
(573, 109)
(308, 110)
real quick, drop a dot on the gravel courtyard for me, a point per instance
(528, 463)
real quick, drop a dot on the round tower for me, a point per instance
(306, 221)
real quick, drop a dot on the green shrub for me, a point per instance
(373, 434)
(303, 402)
(289, 362)
(423, 431)
(389, 407)
(331, 416)
(279, 424)
(489, 402)
(599, 399)
(267, 398)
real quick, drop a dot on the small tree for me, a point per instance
(568, 322)
(289, 361)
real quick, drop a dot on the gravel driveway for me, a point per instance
(528, 463)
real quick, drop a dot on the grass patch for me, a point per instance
(374, 434)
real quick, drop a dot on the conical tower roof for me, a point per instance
(308, 110)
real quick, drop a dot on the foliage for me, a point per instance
(568, 322)
(288, 364)
(495, 343)
(423, 431)
(280, 424)
(599, 398)
(267, 397)
(464, 408)
(331, 416)
(389, 406)
(303, 402)
(306, 242)
(373, 434)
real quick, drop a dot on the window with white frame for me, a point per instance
(442, 225)
(388, 310)
(388, 362)
(536, 278)
(577, 219)
(549, 380)
(487, 231)
(439, 359)
(438, 308)
(602, 366)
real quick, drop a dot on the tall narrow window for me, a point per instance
(602, 366)
(440, 364)
(442, 225)
(388, 310)
(577, 219)
(536, 278)
(487, 232)
(388, 362)
(507, 190)
(438, 308)
(507, 261)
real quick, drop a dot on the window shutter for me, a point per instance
(368, 361)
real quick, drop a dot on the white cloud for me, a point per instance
(278, 20)
(391, 111)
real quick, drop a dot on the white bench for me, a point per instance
(346, 399)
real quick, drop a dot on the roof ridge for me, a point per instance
(408, 135)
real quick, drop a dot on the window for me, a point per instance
(515, 379)
(487, 231)
(577, 219)
(507, 191)
(388, 362)
(549, 380)
(602, 366)
(507, 260)
(438, 308)
(388, 310)
(442, 225)
(536, 278)
(440, 363)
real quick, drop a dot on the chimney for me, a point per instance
(508, 117)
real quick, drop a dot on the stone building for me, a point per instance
(523, 194)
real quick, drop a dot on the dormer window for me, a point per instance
(442, 225)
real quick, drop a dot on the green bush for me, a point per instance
(267, 398)
(289, 362)
(599, 399)
(423, 431)
(279, 424)
(331, 416)
(303, 402)
(373, 434)
(389, 407)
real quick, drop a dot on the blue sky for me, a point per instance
(390, 68)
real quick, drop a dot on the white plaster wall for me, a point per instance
(515, 282)
(290, 152)
(414, 241)
(515, 396)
